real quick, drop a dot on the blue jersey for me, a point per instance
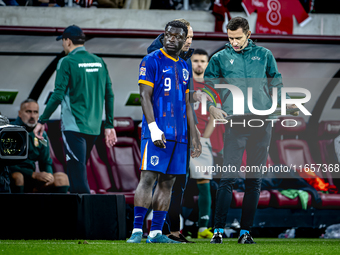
(170, 80)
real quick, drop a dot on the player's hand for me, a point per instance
(43, 177)
(197, 96)
(110, 137)
(291, 106)
(39, 130)
(157, 135)
(196, 152)
(160, 143)
(217, 113)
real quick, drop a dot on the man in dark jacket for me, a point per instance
(24, 175)
(82, 87)
(244, 65)
(173, 216)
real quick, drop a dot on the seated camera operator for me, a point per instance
(24, 178)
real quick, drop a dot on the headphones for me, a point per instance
(244, 42)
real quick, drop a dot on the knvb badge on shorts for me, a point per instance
(154, 160)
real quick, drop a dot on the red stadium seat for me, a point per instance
(124, 159)
(295, 152)
(91, 178)
(124, 126)
(280, 201)
(238, 199)
(327, 131)
(98, 177)
(323, 145)
(140, 130)
(269, 161)
(329, 201)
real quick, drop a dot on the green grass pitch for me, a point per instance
(229, 246)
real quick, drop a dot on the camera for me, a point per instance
(13, 143)
(13, 149)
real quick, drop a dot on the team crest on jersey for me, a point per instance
(185, 74)
(255, 58)
(154, 160)
(142, 71)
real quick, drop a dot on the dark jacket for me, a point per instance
(254, 67)
(158, 44)
(36, 152)
(82, 85)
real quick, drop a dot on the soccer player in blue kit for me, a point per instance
(163, 83)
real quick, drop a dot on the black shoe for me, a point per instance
(246, 239)
(181, 238)
(217, 238)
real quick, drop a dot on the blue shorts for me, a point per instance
(171, 160)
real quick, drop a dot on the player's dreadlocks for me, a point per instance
(177, 24)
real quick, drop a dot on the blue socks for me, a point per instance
(158, 220)
(242, 232)
(221, 230)
(140, 213)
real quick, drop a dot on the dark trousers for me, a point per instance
(77, 148)
(172, 222)
(255, 140)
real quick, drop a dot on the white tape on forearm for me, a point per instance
(156, 133)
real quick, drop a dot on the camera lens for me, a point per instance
(12, 144)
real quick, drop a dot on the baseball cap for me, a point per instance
(74, 33)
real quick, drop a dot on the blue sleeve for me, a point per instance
(147, 71)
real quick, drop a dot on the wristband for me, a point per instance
(155, 132)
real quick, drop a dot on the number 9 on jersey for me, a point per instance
(167, 84)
